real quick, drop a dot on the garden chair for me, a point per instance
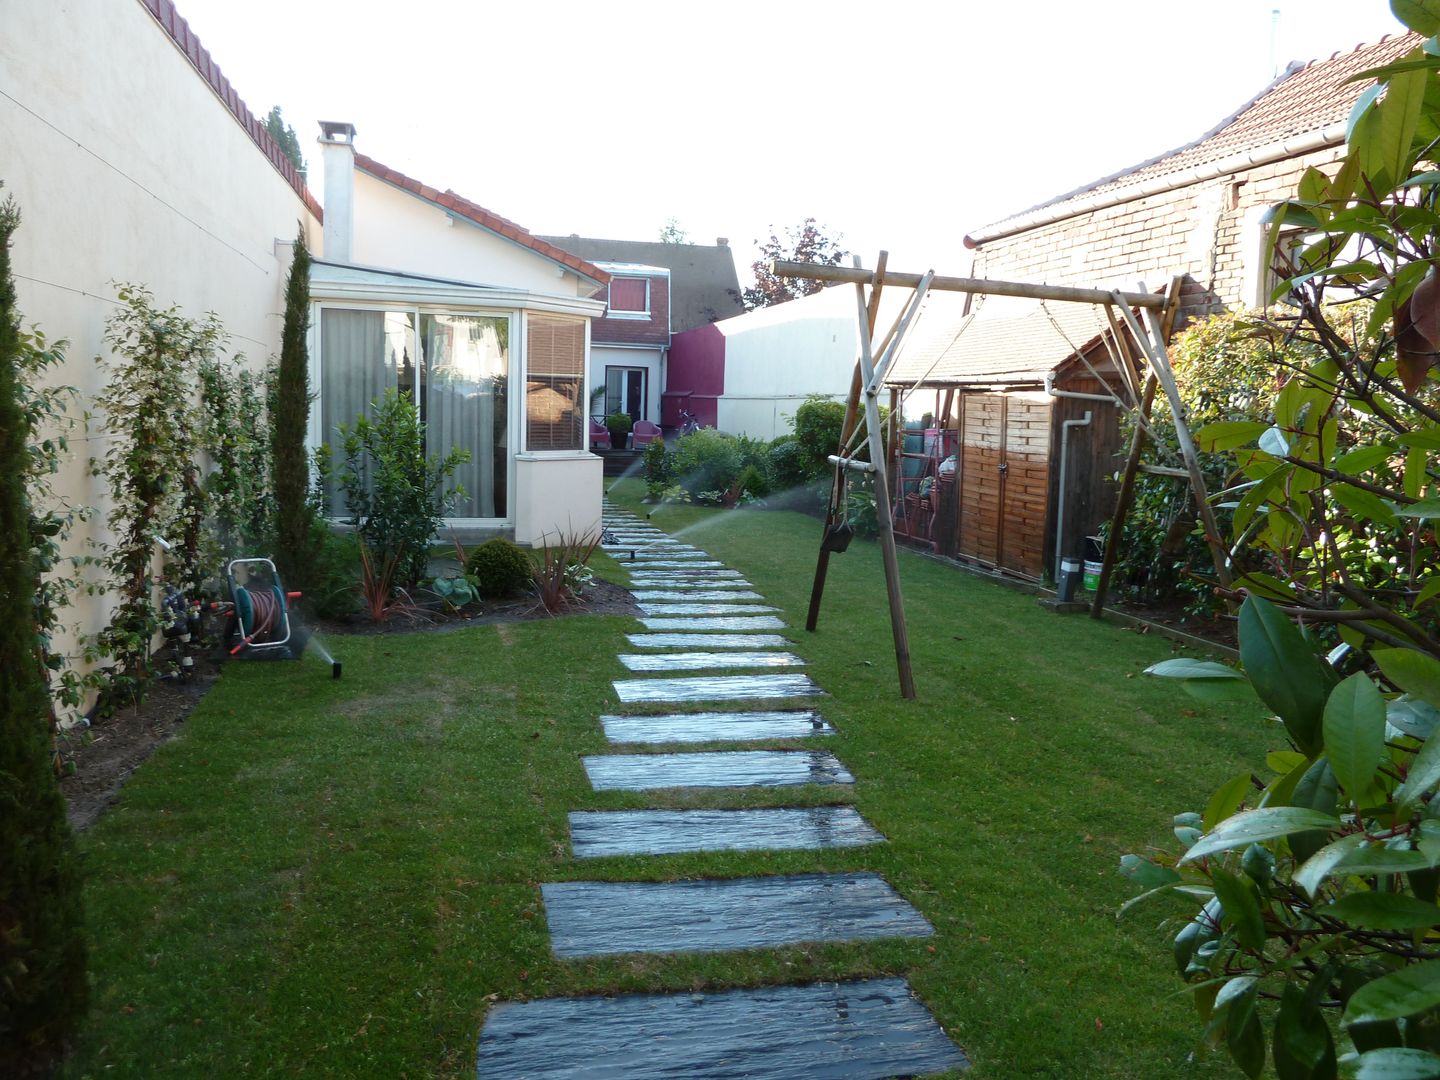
(599, 436)
(644, 433)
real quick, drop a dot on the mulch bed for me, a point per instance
(100, 758)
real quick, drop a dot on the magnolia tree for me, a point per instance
(1314, 934)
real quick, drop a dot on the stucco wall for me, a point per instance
(398, 231)
(602, 356)
(127, 167)
(557, 495)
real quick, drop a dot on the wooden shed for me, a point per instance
(1012, 440)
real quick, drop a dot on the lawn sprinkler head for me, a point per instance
(335, 669)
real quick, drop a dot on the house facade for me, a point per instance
(485, 325)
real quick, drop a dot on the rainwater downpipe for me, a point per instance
(1065, 427)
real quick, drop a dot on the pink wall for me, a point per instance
(695, 375)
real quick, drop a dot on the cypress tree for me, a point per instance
(42, 948)
(289, 419)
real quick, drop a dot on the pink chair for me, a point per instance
(644, 433)
(599, 436)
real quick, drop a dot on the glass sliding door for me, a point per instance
(465, 372)
(362, 354)
(625, 392)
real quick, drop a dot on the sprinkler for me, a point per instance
(335, 669)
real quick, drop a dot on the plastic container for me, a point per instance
(1092, 574)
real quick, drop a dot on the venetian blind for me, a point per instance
(555, 375)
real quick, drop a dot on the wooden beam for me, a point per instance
(985, 286)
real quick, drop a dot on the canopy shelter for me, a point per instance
(1135, 348)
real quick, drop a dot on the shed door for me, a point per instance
(1004, 473)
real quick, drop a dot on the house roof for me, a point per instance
(486, 219)
(1003, 341)
(1304, 109)
(704, 287)
(186, 41)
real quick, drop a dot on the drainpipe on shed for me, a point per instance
(1065, 427)
(1076, 394)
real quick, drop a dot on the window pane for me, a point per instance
(555, 363)
(629, 294)
(467, 364)
(362, 354)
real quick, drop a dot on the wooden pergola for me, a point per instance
(1158, 312)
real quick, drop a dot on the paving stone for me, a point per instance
(708, 641)
(716, 726)
(722, 768)
(598, 918)
(596, 834)
(660, 596)
(712, 622)
(714, 688)
(862, 1030)
(662, 563)
(667, 573)
(646, 555)
(664, 580)
(700, 608)
(701, 661)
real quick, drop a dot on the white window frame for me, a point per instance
(611, 313)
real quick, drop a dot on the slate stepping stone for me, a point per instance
(863, 1030)
(726, 768)
(713, 622)
(646, 555)
(598, 918)
(595, 834)
(714, 688)
(685, 581)
(664, 563)
(716, 726)
(660, 596)
(708, 641)
(701, 661)
(650, 608)
(669, 573)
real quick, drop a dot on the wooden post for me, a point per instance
(847, 428)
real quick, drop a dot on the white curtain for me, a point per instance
(466, 365)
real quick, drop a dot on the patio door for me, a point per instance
(625, 391)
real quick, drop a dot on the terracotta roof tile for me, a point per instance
(205, 66)
(1304, 100)
(482, 217)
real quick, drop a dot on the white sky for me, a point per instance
(900, 125)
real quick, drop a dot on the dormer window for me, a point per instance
(629, 297)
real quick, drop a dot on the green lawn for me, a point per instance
(327, 878)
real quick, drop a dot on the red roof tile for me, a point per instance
(482, 217)
(1303, 101)
(179, 32)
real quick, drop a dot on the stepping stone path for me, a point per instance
(703, 616)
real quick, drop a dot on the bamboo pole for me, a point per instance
(984, 286)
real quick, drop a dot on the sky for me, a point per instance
(900, 125)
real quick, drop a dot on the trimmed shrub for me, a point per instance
(817, 433)
(752, 482)
(500, 568)
(656, 463)
(707, 463)
(785, 464)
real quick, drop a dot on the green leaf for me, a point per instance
(1429, 438)
(1417, 458)
(1228, 434)
(1412, 671)
(1364, 504)
(1425, 508)
(1274, 442)
(1319, 866)
(1184, 668)
(1255, 826)
(1304, 1048)
(1242, 907)
(1377, 860)
(1285, 672)
(1422, 16)
(1413, 989)
(1227, 799)
(1382, 911)
(1146, 874)
(1424, 774)
(1428, 591)
(1359, 110)
(1355, 733)
(1317, 790)
(1364, 459)
(1414, 717)
(1398, 1063)
(1400, 112)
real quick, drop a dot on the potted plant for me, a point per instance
(619, 425)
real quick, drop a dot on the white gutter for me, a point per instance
(1334, 135)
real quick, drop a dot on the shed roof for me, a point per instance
(1304, 109)
(1004, 341)
(486, 219)
(704, 287)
